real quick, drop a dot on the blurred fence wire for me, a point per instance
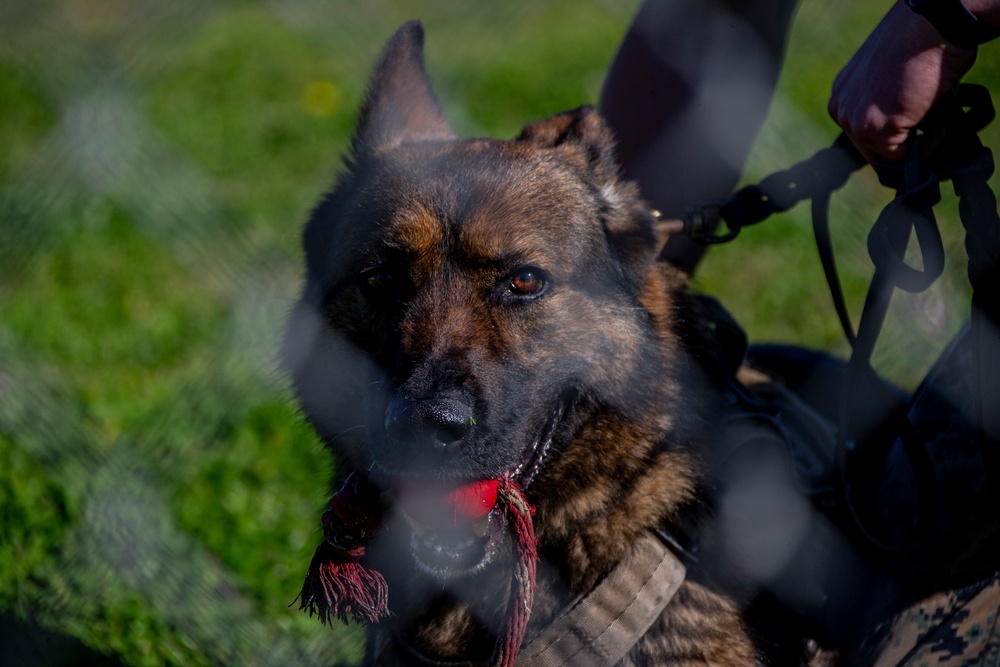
(159, 495)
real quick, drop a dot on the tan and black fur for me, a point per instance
(466, 299)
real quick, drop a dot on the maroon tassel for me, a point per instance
(338, 584)
(518, 513)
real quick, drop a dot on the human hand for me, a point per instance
(899, 73)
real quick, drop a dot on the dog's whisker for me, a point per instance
(346, 431)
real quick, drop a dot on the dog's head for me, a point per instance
(465, 297)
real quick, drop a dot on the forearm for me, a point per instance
(686, 95)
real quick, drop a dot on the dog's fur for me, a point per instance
(501, 293)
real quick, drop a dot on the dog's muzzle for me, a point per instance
(456, 528)
(441, 423)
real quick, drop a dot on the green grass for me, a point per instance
(159, 494)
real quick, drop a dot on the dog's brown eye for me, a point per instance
(379, 283)
(527, 282)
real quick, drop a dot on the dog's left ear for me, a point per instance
(400, 105)
(583, 132)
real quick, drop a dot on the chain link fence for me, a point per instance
(159, 494)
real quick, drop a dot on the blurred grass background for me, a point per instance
(159, 495)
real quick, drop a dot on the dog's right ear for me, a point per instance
(400, 105)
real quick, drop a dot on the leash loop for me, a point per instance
(860, 460)
(912, 209)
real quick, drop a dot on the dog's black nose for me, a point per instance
(441, 423)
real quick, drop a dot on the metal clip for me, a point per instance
(700, 223)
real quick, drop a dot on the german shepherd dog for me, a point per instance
(477, 309)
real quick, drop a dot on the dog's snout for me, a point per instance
(440, 423)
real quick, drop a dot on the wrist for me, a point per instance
(987, 11)
(957, 21)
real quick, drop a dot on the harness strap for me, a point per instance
(597, 630)
(604, 625)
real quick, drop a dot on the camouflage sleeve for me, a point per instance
(957, 628)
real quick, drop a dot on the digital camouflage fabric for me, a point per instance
(958, 628)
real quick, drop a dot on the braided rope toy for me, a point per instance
(339, 584)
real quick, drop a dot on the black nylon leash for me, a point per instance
(816, 177)
(859, 459)
(961, 157)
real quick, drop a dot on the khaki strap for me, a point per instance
(605, 624)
